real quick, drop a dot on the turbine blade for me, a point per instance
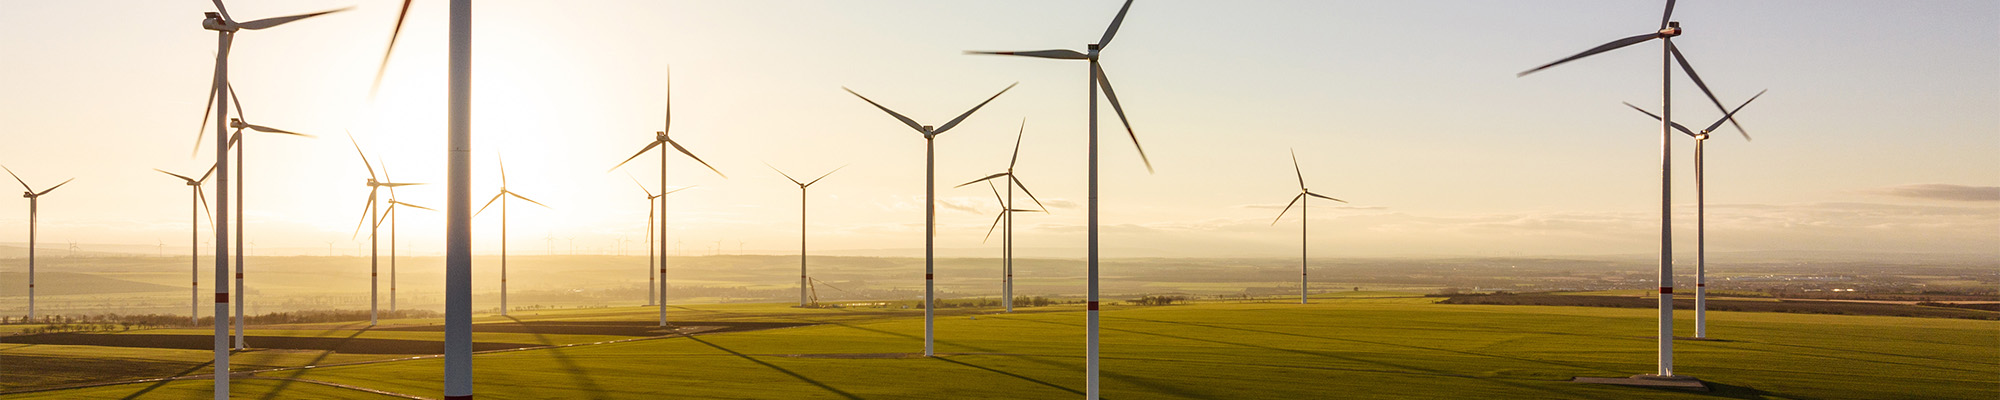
(393, 34)
(1105, 83)
(364, 155)
(1615, 44)
(675, 191)
(1676, 125)
(1113, 30)
(518, 196)
(392, 188)
(1055, 54)
(365, 213)
(980, 179)
(1296, 170)
(1732, 115)
(53, 188)
(503, 171)
(240, 115)
(275, 21)
(828, 173)
(1324, 197)
(206, 108)
(17, 178)
(204, 208)
(684, 150)
(642, 186)
(1031, 195)
(787, 176)
(266, 129)
(996, 224)
(219, 9)
(1288, 208)
(190, 180)
(489, 203)
(1667, 16)
(1017, 144)
(649, 146)
(390, 185)
(996, 197)
(1685, 67)
(205, 175)
(393, 202)
(961, 117)
(899, 117)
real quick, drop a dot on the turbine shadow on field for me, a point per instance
(1461, 352)
(1427, 371)
(569, 366)
(1148, 383)
(164, 382)
(284, 383)
(774, 367)
(1735, 392)
(1018, 376)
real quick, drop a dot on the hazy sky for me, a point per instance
(1879, 132)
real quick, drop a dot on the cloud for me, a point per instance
(1941, 191)
(1059, 203)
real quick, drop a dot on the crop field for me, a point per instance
(1358, 344)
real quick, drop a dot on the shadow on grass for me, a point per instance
(1021, 377)
(575, 372)
(282, 384)
(1460, 352)
(774, 367)
(163, 382)
(1149, 384)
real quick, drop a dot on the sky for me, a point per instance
(1878, 133)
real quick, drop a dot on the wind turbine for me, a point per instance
(225, 30)
(1300, 200)
(1668, 55)
(236, 140)
(1097, 80)
(34, 215)
(651, 291)
(502, 198)
(374, 229)
(196, 205)
(391, 212)
(930, 203)
(1007, 213)
(1701, 215)
(802, 225)
(661, 137)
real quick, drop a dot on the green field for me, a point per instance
(1363, 345)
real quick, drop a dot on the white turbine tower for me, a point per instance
(1007, 214)
(225, 29)
(1301, 200)
(374, 229)
(930, 205)
(237, 141)
(197, 203)
(1701, 215)
(34, 217)
(662, 137)
(802, 225)
(1668, 55)
(391, 212)
(502, 198)
(651, 290)
(1097, 80)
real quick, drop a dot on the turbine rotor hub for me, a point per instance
(1673, 29)
(237, 123)
(1701, 136)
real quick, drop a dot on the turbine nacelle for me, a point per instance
(1701, 136)
(660, 135)
(27, 195)
(214, 22)
(1673, 29)
(237, 123)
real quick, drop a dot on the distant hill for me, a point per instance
(48, 283)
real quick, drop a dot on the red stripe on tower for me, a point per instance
(1666, 290)
(222, 297)
(1093, 306)
(239, 275)
(1701, 285)
(927, 276)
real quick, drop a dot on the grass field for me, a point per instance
(1361, 345)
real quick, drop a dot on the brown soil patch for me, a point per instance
(610, 328)
(206, 342)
